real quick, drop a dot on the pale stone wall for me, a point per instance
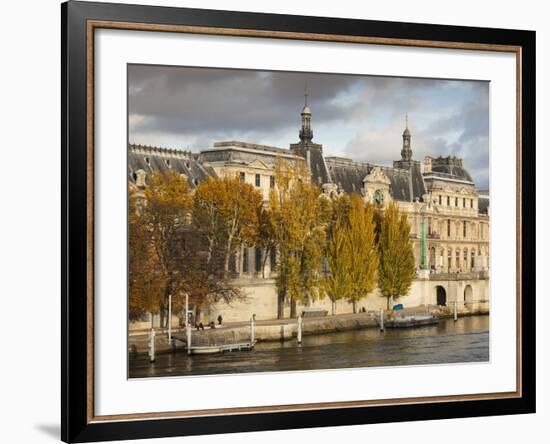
(261, 300)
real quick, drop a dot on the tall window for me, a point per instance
(449, 259)
(464, 202)
(245, 260)
(241, 177)
(456, 201)
(258, 260)
(464, 230)
(473, 259)
(471, 203)
(439, 199)
(257, 180)
(448, 201)
(449, 228)
(271, 181)
(457, 259)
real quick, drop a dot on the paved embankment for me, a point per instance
(285, 329)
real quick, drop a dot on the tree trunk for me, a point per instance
(152, 320)
(281, 305)
(161, 325)
(264, 260)
(197, 314)
(333, 307)
(354, 304)
(227, 256)
(209, 251)
(293, 308)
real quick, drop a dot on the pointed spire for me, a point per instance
(406, 152)
(407, 131)
(306, 134)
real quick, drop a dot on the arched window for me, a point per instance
(449, 259)
(465, 267)
(457, 261)
(473, 259)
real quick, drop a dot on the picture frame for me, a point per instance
(80, 20)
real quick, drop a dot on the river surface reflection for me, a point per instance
(466, 340)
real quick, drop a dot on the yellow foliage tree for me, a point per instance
(299, 219)
(397, 266)
(226, 212)
(351, 252)
(363, 250)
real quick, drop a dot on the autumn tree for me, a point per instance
(299, 227)
(266, 239)
(351, 252)
(165, 212)
(145, 280)
(397, 267)
(225, 211)
(363, 250)
(337, 281)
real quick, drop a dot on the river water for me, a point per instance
(466, 340)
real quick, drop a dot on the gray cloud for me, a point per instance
(361, 117)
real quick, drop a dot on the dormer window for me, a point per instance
(167, 163)
(148, 161)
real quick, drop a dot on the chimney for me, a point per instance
(427, 164)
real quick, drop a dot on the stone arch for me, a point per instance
(468, 294)
(440, 295)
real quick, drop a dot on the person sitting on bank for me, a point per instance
(220, 319)
(201, 327)
(212, 325)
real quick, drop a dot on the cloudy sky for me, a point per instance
(360, 117)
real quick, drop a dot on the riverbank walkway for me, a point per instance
(284, 329)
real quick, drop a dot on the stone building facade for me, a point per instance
(449, 217)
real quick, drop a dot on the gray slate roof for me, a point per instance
(151, 159)
(456, 171)
(406, 185)
(483, 205)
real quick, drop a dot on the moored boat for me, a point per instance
(410, 321)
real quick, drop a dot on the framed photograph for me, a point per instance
(275, 221)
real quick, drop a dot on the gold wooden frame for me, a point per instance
(92, 25)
